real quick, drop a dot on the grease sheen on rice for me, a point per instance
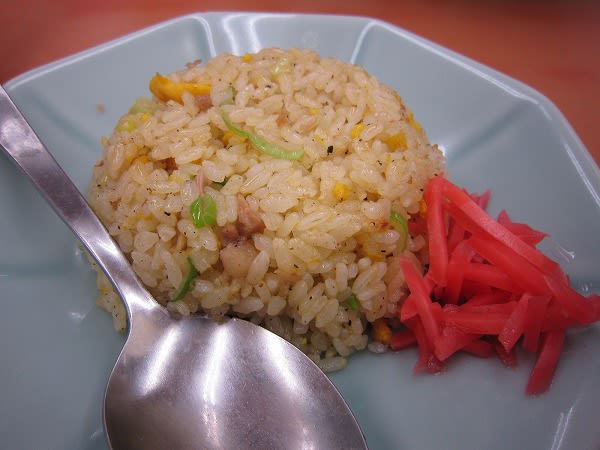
(321, 230)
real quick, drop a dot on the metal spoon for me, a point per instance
(188, 382)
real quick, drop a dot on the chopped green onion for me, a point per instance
(187, 283)
(352, 302)
(143, 105)
(225, 97)
(399, 222)
(261, 143)
(204, 211)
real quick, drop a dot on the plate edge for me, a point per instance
(576, 150)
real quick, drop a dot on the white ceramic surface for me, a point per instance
(57, 347)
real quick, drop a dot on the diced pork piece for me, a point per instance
(249, 222)
(229, 234)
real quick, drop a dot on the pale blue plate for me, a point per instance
(57, 347)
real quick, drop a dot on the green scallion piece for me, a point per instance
(400, 223)
(261, 143)
(143, 105)
(187, 283)
(352, 302)
(204, 211)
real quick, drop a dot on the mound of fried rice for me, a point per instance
(306, 247)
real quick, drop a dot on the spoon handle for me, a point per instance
(20, 142)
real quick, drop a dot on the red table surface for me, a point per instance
(551, 45)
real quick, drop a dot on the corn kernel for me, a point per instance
(227, 137)
(145, 117)
(357, 130)
(381, 331)
(340, 191)
(247, 57)
(397, 141)
(314, 111)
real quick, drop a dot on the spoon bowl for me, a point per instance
(182, 382)
(188, 382)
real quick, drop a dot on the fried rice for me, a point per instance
(312, 170)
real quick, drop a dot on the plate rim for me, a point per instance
(572, 144)
(564, 132)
